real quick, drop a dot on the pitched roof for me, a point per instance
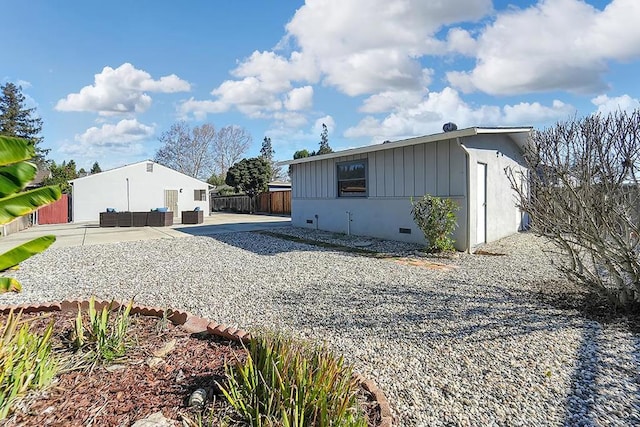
(519, 135)
(133, 164)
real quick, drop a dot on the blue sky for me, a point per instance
(109, 77)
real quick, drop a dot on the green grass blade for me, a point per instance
(18, 254)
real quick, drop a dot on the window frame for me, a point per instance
(199, 195)
(365, 163)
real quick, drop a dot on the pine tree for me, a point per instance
(19, 121)
(95, 168)
(267, 152)
(324, 142)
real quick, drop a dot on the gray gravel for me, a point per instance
(472, 345)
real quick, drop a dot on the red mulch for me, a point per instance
(127, 390)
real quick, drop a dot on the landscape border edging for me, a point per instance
(192, 324)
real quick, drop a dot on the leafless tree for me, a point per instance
(582, 191)
(229, 145)
(188, 151)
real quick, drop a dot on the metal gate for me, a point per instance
(171, 201)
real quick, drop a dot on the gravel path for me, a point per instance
(474, 344)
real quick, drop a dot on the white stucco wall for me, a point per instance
(499, 153)
(95, 193)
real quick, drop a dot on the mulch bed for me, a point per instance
(162, 368)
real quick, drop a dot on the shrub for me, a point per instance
(26, 362)
(585, 196)
(436, 217)
(289, 383)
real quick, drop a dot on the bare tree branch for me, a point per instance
(583, 193)
(188, 151)
(229, 146)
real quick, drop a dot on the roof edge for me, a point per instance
(461, 133)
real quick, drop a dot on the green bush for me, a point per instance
(436, 217)
(288, 383)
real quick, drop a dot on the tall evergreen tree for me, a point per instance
(61, 174)
(95, 168)
(267, 152)
(19, 121)
(324, 142)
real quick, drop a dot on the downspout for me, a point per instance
(468, 188)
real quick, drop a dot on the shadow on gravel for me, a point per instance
(453, 313)
(498, 313)
(263, 242)
(237, 227)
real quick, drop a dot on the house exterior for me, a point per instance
(279, 186)
(137, 187)
(367, 191)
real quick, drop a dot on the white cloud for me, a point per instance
(300, 98)
(368, 46)
(327, 121)
(122, 133)
(390, 100)
(23, 84)
(553, 45)
(360, 47)
(200, 109)
(608, 105)
(289, 120)
(120, 91)
(248, 95)
(461, 41)
(437, 108)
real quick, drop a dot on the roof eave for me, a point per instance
(462, 133)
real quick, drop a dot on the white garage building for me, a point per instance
(367, 191)
(138, 187)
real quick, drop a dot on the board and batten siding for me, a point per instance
(394, 176)
(437, 168)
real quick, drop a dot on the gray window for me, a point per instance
(352, 179)
(200, 195)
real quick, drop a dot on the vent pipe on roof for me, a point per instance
(449, 127)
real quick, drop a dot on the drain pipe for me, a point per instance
(468, 184)
(316, 216)
(348, 223)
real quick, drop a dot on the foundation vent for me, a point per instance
(405, 230)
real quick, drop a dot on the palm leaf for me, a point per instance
(21, 204)
(9, 284)
(13, 150)
(14, 177)
(18, 254)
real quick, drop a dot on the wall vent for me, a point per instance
(309, 221)
(405, 230)
(149, 167)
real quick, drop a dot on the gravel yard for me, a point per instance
(479, 343)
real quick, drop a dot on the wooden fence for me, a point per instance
(55, 213)
(274, 202)
(230, 203)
